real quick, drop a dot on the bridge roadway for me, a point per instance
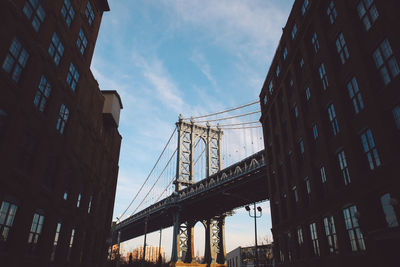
(237, 185)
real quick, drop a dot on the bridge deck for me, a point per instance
(235, 186)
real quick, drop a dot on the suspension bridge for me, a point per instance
(189, 182)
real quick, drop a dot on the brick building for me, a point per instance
(59, 139)
(331, 120)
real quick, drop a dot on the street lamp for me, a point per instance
(255, 226)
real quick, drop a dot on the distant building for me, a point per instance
(331, 120)
(244, 257)
(152, 254)
(59, 139)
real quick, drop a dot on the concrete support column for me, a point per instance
(221, 256)
(175, 237)
(207, 249)
(190, 243)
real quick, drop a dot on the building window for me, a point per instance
(314, 239)
(315, 131)
(368, 144)
(15, 60)
(300, 236)
(295, 194)
(56, 48)
(304, 7)
(308, 186)
(65, 195)
(294, 31)
(89, 13)
(301, 146)
(68, 12)
(333, 120)
(277, 71)
(341, 48)
(81, 42)
(308, 93)
(355, 95)
(35, 13)
(295, 110)
(36, 230)
(367, 12)
(62, 120)
(323, 174)
(7, 215)
(396, 116)
(331, 11)
(390, 214)
(42, 94)
(265, 99)
(90, 204)
(323, 76)
(55, 242)
(72, 77)
(315, 42)
(285, 53)
(301, 62)
(270, 87)
(386, 62)
(78, 202)
(71, 243)
(330, 232)
(343, 167)
(355, 236)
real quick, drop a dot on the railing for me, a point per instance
(228, 174)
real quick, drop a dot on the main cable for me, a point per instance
(224, 111)
(231, 117)
(172, 156)
(148, 176)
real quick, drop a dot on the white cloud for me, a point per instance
(246, 27)
(166, 90)
(204, 67)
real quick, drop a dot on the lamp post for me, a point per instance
(255, 227)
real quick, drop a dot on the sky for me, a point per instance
(189, 57)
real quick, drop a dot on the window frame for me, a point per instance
(42, 94)
(56, 48)
(331, 12)
(35, 13)
(342, 49)
(68, 12)
(369, 148)
(8, 211)
(15, 60)
(386, 62)
(356, 237)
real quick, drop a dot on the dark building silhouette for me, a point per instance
(331, 121)
(59, 139)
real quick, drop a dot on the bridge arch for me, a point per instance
(199, 159)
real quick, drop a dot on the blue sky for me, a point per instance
(190, 57)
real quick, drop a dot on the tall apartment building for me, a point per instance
(331, 120)
(59, 139)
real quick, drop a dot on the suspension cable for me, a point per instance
(224, 111)
(240, 128)
(231, 117)
(158, 178)
(236, 124)
(148, 176)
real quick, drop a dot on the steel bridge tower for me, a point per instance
(182, 247)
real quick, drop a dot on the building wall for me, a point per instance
(39, 163)
(294, 155)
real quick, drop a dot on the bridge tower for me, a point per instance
(182, 247)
